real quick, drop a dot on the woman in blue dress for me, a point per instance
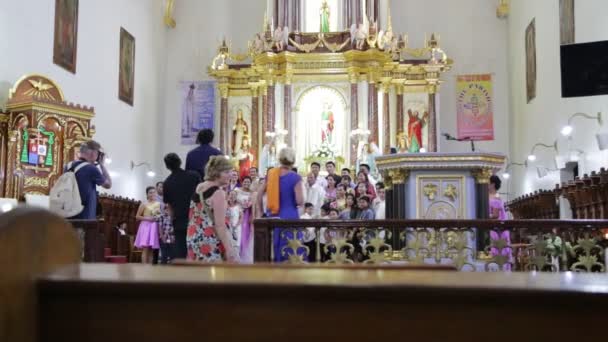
(284, 192)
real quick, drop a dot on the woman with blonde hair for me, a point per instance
(208, 236)
(283, 189)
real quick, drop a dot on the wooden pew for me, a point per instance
(32, 242)
(273, 303)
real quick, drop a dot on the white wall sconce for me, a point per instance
(602, 141)
(506, 174)
(568, 129)
(150, 173)
(575, 155)
(542, 171)
(532, 156)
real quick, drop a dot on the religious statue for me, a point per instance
(402, 146)
(327, 123)
(269, 156)
(257, 46)
(358, 35)
(367, 155)
(239, 130)
(188, 114)
(414, 129)
(324, 16)
(245, 157)
(280, 38)
(385, 39)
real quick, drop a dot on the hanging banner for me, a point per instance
(475, 108)
(198, 108)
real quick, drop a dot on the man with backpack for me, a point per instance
(87, 177)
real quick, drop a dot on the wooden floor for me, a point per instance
(183, 303)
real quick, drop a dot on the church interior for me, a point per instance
(448, 157)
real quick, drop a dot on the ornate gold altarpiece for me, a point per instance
(320, 58)
(40, 133)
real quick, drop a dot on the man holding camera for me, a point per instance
(89, 177)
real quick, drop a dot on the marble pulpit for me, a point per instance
(438, 185)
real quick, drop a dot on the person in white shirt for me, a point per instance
(379, 202)
(314, 194)
(315, 168)
(309, 235)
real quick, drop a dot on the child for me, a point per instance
(324, 237)
(234, 216)
(309, 235)
(147, 234)
(365, 212)
(166, 235)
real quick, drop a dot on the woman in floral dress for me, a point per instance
(208, 236)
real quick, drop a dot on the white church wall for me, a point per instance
(542, 119)
(191, 46)
(126, 132)
(476, 40)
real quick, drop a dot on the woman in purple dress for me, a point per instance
(290, 196)
(497, 212)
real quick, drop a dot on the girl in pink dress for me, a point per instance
(147, 234)
(497, 212)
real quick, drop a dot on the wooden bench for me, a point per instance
(276, 303)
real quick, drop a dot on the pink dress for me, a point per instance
(496, 203)
(147, 233)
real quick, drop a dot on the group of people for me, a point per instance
(205, 211)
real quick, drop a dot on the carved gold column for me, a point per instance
(400, 118)
(432, 123)
(264, 93)
(354, 114)
(270, 108)
(287, 113)
(372, 111)
(224, 119)
(386, 118)
(255, 125)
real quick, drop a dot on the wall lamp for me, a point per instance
(532, 156)
(506, 174)
(542, 171)
(150, 173)
(567, 130)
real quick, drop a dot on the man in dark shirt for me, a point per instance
(89, 177)
(178, 189)
(197, 159)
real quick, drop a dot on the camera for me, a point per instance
(100, 156)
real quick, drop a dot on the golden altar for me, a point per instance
(271, 83)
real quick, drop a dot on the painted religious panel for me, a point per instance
(126, 67)
(239, 120)
(322, 131)
(474, 107)
(198, 108)
(531, 61)
(415, 136)
(66, 34)
(566, 21)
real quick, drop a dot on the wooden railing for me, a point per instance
(588, 198)
(92, 238)
(118, 212)
(524, 245)
(542, 204)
